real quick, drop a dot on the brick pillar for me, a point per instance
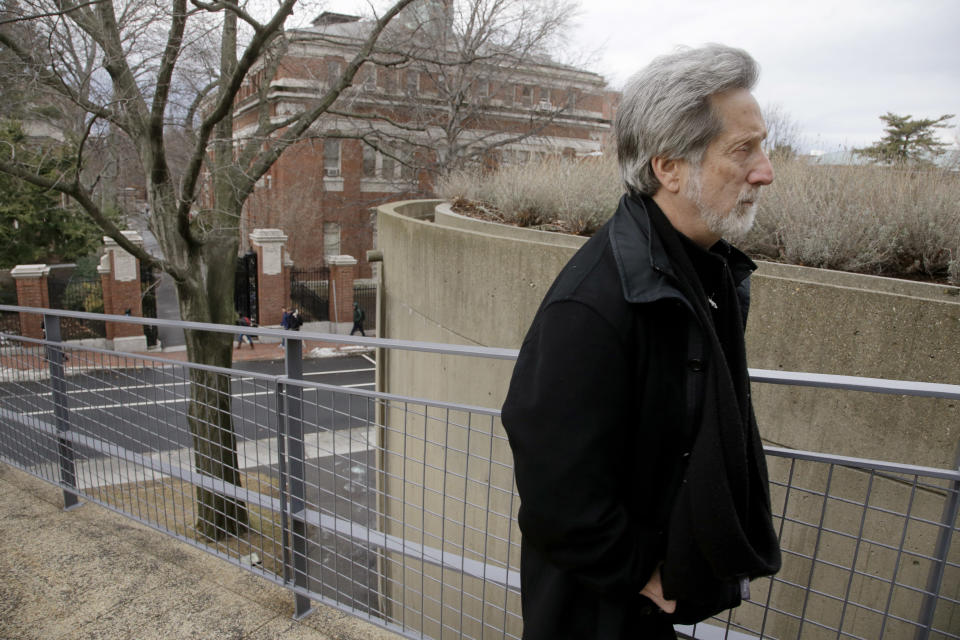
(273, 274)
(120, 276)
(32, 292)
(342, 270)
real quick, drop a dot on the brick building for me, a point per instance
(414, 123)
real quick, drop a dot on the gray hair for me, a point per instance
(666, 109)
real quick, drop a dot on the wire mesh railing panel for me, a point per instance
(24, 394)
(135, 444)
(403, 510)
(866, 554)
(447, 492)
(339, 561)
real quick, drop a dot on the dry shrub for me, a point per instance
(572, 195)
(898, 222)
(868, 219)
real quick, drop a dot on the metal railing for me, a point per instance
(403, 510)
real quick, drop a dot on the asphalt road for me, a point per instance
(145, 410)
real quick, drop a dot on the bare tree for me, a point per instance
(783, 132)
(143, 70)
(486, 69)
(450, 82)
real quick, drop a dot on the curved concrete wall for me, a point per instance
(447, 278)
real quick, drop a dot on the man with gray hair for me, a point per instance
(643, 485)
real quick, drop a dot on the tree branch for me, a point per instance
(76, 191)
(50, 14)
(225, 102)
(217, 7)
(266, 159)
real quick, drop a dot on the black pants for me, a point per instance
(358, 327)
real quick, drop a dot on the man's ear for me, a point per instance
(668, 172)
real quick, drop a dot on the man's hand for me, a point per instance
(654, 591)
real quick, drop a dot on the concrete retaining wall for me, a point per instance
(447, 278)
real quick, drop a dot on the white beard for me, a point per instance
(729, 225)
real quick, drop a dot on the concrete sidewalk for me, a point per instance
(33, 357)
(91, 573)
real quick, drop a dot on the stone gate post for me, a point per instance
(120, 277)
(273, 274)
(342, 273)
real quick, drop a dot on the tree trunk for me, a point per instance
(209, 295)
(214, 440)
(211, 421)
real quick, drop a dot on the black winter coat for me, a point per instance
(601, 415)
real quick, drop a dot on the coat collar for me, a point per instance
(645, 270)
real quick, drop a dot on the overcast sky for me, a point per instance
(833, 65)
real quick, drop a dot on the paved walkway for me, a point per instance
(34, 357)
(91, 573)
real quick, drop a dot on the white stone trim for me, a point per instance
(130, 343)
(124, 263)
(340, 261)
(24, 271)
(271, 243)
(261, 237)
(104, 267)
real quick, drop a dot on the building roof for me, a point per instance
(329, 17)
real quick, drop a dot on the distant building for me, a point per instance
(321, 190)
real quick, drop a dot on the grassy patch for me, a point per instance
(171, 504)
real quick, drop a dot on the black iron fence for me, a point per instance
(73, 291)
(365, 294)
(149, 281)
(310, 292)
(9, 320)
(245, 287)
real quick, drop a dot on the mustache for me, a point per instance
(750, 195)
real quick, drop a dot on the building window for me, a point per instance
(333, 71)
(369, 161)
(483, 88)
(368, 77)
(387, 167)
(546, 99)
(407, 170)
(331, 158)
(525, 95)
(412, 80)
(331, 239)
(387, 79)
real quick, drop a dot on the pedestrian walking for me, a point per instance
(358, 317)
(244, 322)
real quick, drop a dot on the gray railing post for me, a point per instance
(951, 508)
(58, 390)
(293, 361)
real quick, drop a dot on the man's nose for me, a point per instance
(762, 173)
